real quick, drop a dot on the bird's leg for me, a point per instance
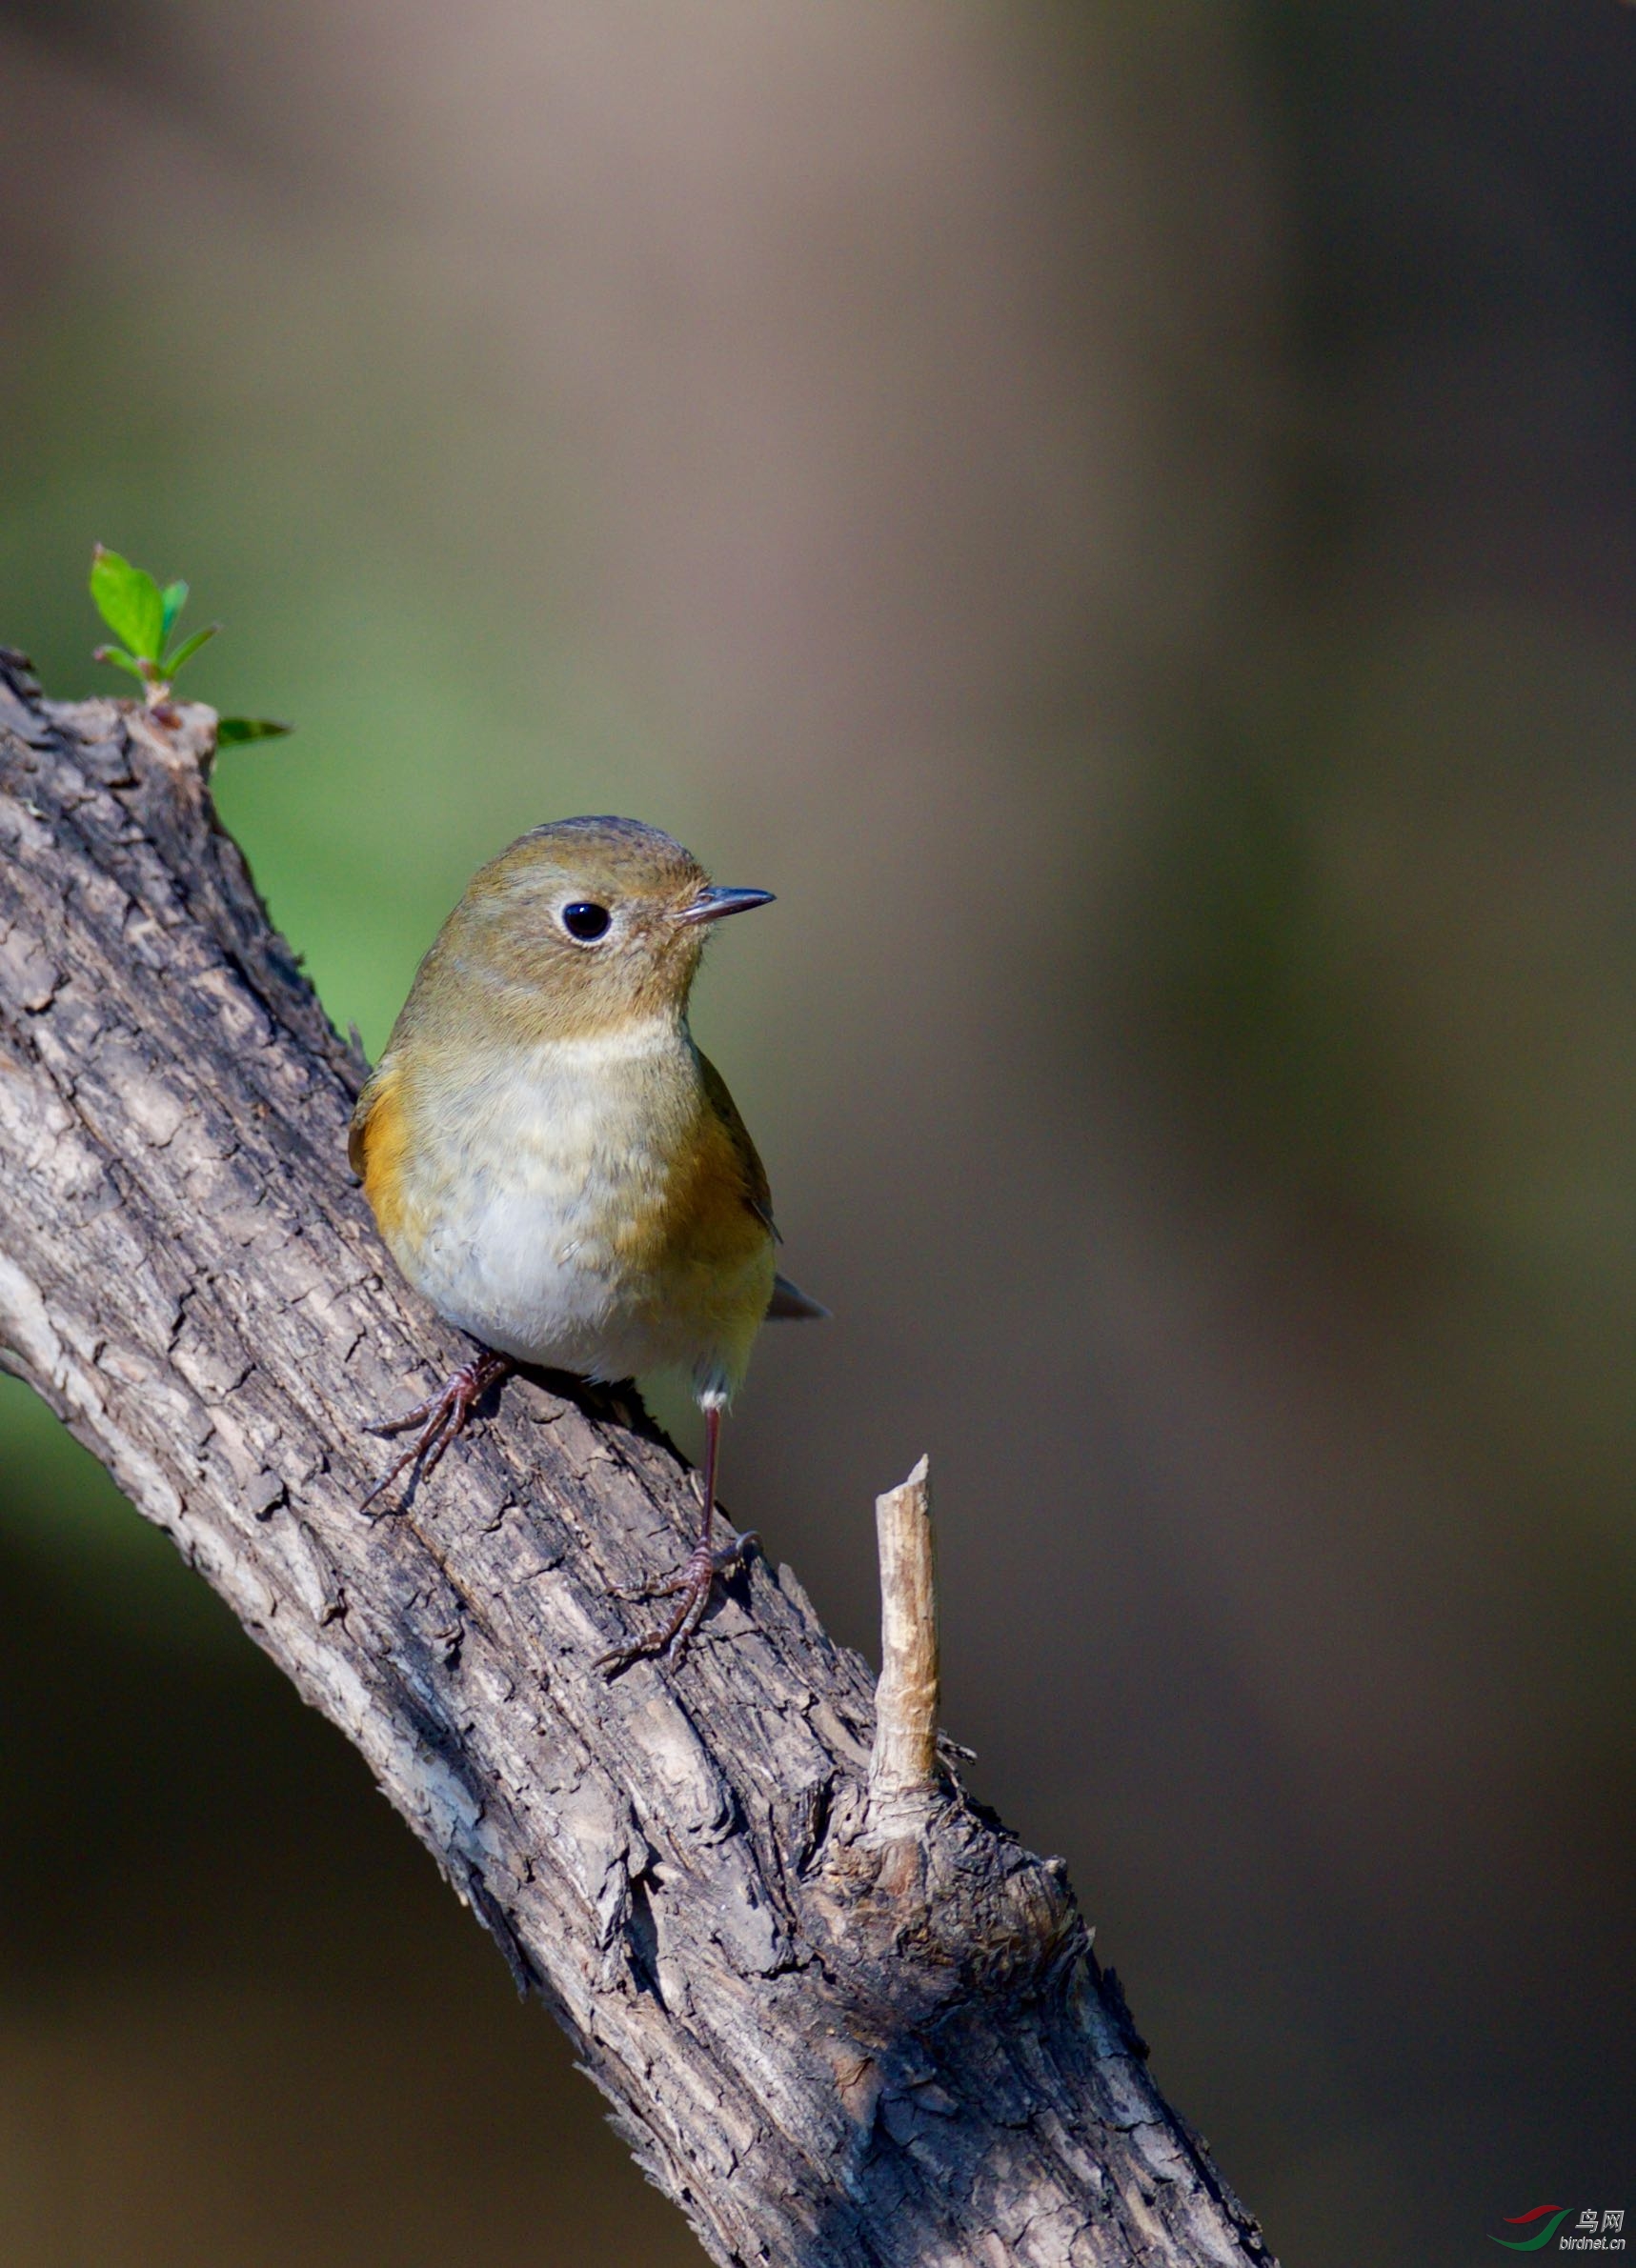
(442, 1417)
(693, 1582)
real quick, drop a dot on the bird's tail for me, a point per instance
(790, 1304)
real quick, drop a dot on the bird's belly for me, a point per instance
(546, 1236)
(524, 1255)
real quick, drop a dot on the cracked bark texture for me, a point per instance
(829, 2036)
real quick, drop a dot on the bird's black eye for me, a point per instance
(585, 921)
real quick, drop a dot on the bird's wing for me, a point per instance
(790, 1304)
(756, 1193)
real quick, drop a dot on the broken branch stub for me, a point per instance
(903, 1762)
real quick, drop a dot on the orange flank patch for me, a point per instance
(376, 1146)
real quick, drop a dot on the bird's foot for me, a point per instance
(693, 1586)
(442, 1417)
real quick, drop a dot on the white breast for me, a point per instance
(523, 1177)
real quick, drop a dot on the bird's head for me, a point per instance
(584, 926)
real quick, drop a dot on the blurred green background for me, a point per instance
(1125, 518)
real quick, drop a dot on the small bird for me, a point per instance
(556, 1164)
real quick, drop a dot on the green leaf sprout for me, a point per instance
(134, 608)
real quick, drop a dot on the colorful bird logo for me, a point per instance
(1543, 2237)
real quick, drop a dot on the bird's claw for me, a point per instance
(694, 1584)
(442, 1417)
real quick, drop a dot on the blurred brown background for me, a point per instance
(1125, 518)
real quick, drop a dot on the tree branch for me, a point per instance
(827, 2042)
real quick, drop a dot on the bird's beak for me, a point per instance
(715, 904)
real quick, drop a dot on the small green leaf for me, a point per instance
(173, 598)
(128, 599)
(233, 730)
(186, 651)
(120, 659)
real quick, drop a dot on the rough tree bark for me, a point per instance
(832, 2032)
